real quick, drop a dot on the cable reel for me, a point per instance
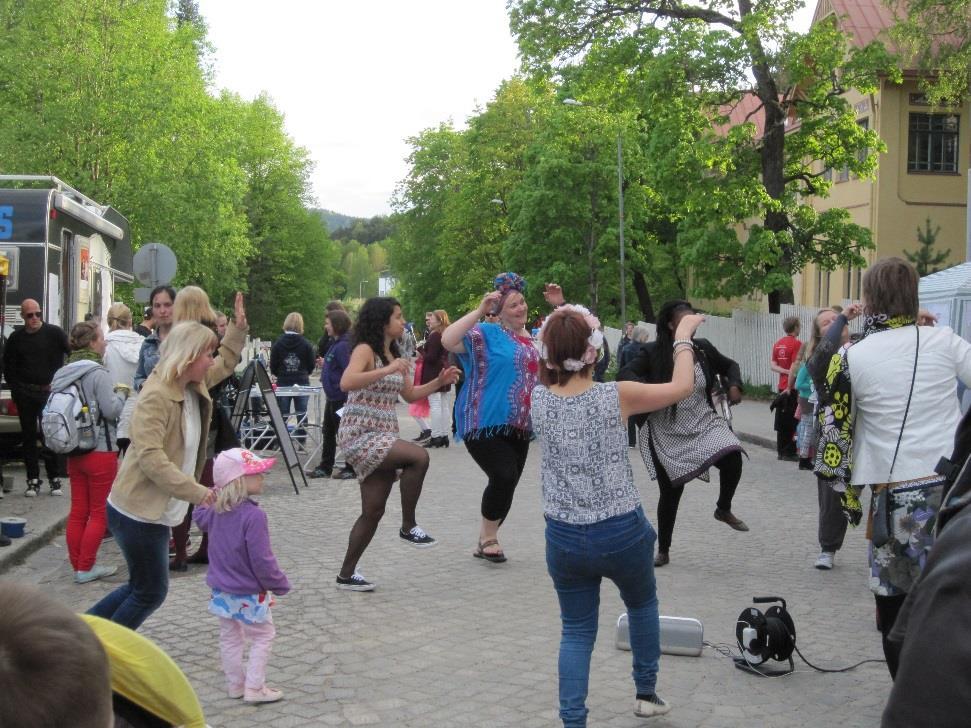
(762, 637)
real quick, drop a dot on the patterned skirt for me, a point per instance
(913, 507)
(246, 608)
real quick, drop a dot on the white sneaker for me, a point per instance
(264, 695)
(96, 572)
(651, 707)
(33, 488)
(824, 560)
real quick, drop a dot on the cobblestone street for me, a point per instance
(448, 640)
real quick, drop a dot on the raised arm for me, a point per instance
(636, 398)
(818, 364)
(411, 393)
(454, 336)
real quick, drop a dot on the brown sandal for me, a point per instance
(496, 558)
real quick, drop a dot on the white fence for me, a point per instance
(748, 336)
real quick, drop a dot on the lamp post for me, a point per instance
(620, 205)
(360, 289)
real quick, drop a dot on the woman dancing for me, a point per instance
(681, 442)
(492, 412)
(368, 436)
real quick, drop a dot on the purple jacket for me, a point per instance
(240, 558)
(335, 362)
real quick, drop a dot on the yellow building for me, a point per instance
(921, 175)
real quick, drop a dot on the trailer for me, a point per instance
(65, 250)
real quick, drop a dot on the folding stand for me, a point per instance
(255, 374)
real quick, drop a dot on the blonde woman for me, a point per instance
(291, 362)
(434, 360)
(159, 476)
(192, 304)
(121, 345)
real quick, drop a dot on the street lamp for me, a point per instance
(620, 203)
(360, 287)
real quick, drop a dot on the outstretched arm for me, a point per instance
(453, 337)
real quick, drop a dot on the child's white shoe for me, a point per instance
(264, 695)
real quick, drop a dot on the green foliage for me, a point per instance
(936, 35)
(680, 67)
(369, 231)
(335, 220)
(113, 98)
(925, 259)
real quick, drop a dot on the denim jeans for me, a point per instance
(145, 547)
(578, 557)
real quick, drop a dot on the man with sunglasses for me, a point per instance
(34, 352)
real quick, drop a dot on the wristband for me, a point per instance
(689, 342)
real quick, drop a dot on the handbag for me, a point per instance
(882, 528)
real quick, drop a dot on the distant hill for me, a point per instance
(335, 220)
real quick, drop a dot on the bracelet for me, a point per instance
(689, 342)
(682, 350)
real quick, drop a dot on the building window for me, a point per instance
(862, 154)
(822, 287)
(933, 143)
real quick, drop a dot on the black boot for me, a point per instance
(423, 435)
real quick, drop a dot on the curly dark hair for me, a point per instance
(369, 327)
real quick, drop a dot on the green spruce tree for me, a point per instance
(924, 259)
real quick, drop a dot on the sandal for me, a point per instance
(496, 558)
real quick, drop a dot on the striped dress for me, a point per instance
(369, 424)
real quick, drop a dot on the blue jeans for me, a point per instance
(578, 557)
(145, 547)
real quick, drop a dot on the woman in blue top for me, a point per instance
(595, 525)
(492, 409)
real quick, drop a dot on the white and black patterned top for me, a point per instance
(586, 474)
(688, 438)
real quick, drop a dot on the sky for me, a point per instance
(354, 80)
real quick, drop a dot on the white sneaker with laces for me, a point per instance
(96, 572)
(651, 707)
(824, 560)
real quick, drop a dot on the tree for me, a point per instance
(936, 34)
(731, 54)
(925, 259)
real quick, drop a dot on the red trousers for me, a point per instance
(91, 476)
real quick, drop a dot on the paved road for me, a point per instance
(448, 640)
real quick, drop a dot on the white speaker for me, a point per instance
(679, 635)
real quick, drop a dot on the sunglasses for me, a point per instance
(33, 314)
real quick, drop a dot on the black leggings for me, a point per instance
(887, 610)
(502, 458)
(412, 461)
(730, 473)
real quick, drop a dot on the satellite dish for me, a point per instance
(154, 265)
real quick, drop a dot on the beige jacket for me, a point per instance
(151, 471)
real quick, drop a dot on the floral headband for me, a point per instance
(594, 342)
(508, 282)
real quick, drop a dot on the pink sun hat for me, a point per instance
(237, 462)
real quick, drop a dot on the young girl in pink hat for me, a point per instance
(243, 573)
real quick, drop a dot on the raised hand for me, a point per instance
(853, 311)
(239, 311)
(688, 325)
(553, 294)
(490, 302)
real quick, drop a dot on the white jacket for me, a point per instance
(881, 367)
(121, 355)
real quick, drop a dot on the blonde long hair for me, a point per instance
(185, 343)
(119, 316)
(192, 304)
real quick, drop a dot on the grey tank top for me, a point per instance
(586, 474)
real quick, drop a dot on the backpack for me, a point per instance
(67, 422)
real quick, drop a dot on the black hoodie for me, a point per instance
(292, 360)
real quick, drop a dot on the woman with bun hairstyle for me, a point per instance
(595, 525)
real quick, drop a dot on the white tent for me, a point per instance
(948, 295)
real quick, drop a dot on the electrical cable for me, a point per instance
(841, 669)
